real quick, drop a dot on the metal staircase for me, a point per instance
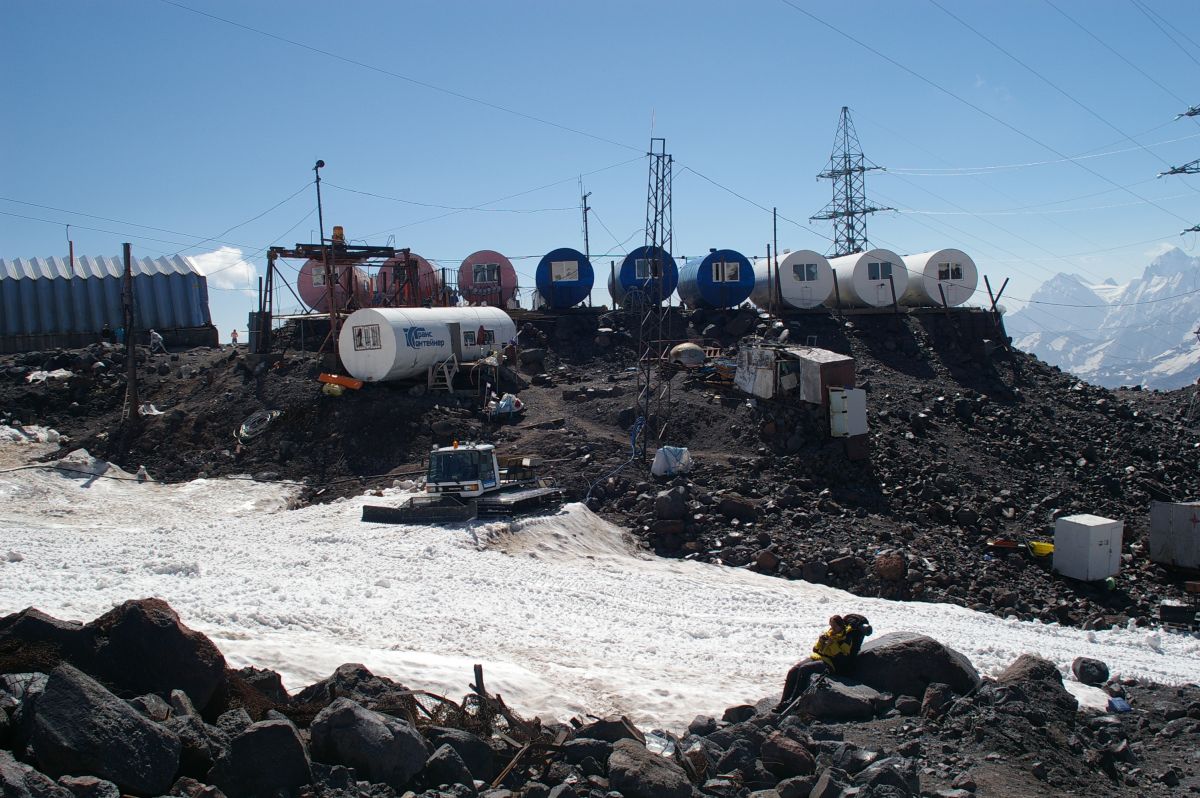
(440, 376)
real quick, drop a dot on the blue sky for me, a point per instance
(154, 116)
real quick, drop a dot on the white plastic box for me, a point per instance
(1175, 533)
(1087, 547)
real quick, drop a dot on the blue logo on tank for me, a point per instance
(417, 337)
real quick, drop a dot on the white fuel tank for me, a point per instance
(380, 344)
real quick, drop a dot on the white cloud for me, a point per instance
(226, 269)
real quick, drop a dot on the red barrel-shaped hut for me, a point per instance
(487, 278)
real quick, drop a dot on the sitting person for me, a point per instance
(834, 652)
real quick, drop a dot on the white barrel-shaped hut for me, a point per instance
(381, 344)
(865, 279)
(951, 269)
(805, 280)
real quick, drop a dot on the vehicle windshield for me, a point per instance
(453, 466)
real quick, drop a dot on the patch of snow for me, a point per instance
(567, 614)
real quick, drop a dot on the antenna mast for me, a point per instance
(654, 395)
(848, 209)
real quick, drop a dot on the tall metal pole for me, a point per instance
(587, 249)
(775, 240)
(326, 259)
(127, 310)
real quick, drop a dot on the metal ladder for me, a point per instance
(440, 376)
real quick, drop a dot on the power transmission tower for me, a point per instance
(847, 169)
(585, 208)
(653, 392)
(1189, 168)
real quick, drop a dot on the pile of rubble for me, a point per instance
(136, 703)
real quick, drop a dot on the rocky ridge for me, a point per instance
(916, 720)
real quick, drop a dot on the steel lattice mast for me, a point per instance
(654, 400)
(848, 209)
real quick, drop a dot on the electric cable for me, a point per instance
(406, 78)
(1051, 84)
(969, 104)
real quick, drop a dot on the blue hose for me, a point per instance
(634, 431)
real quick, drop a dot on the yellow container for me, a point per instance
(1041, 548)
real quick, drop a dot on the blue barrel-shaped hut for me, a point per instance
(723, 278)
(637, 274)
(564, 277)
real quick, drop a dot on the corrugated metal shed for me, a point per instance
(47, 297)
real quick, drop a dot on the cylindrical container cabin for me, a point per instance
(637, 274)
(564, 278)
(723, 278)
(382, 344)
(805, 280)
(487, 278)
(349, 281)
(951, 269)
(394, 285)
(863, 279)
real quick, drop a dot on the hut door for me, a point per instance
(455, 340)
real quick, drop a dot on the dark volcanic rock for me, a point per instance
(90, 787)
(79, 727)
(476, 753)
(1089, 671)
(142, 647)
(637, 773)
(786, 757)
(445, 766)
(18, 780)
(264, 759)
(834, 698)
(380, 747)
(355, 682)
(903, 663)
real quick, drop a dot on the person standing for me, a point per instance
(834, 652)
(233, 336)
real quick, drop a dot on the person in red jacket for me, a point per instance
(834, 652)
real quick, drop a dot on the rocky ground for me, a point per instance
(136, 703)
(964, 448)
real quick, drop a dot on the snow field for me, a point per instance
(564, 612)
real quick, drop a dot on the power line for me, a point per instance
(406, 78)
(1150, 15)
(327, 184)
(1046, 80)
(970, 171)
(965, 102)
(1112, 50)
(1031, 212)
(286, 199)
(570, 179)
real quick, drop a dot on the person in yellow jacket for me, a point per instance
(834, 652)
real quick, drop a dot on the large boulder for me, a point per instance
(356, 682)
(904, 663)
(610, 730)
(671, 504)
(445, 766)
(142, 647)
(636, 773)
(18, 780)
(838, 699)
(786, 757)
(266, 758)
(41, 639)
(80, 727)
(201, 745)
(380, 747)
(1089, 671)
(476, 753)
(1039, 682)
